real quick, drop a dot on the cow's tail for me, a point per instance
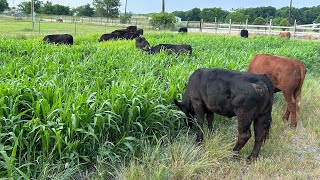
(268, 117)
(297, 92)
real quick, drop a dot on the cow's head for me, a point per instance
(142, 43)
(187, 111)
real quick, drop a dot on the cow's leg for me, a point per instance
(291, 108)
(285, 116)
(244, 132)
(210, 116)
(199, 114)
(259, 136)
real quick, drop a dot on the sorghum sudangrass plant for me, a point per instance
(62, 106)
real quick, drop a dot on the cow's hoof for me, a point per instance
(285, 117)
(199, 141)
(236, 155)
(293, 125)
(251, 158)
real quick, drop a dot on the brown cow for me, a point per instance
(287, 75)
(285, 34)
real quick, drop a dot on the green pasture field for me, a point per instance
(105, 110)
(23, 29)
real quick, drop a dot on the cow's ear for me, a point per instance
(180, 105)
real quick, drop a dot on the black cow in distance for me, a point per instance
(59, 39)
(244, 33)
(143, 44)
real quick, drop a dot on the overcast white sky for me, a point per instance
(147, 6)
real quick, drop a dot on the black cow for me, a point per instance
(140, 31)
(112, 36)
(59, 39)
(132, 27)
(183, 29)
(143, 44)
(247, 96)
(244, 33)
(130, 33)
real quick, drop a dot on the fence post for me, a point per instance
(270, 26)
(215, 24)
(230, 26)
(201, 25)
(75, 26)
(247, 23)
(294, 28)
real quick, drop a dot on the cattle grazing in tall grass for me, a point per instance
(143, 44)
(59, 39)
(285, 34)
(287, 75)
(244, 33)
(129, 33)
(247, 96)
(183, 30)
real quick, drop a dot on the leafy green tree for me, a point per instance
(284, 22)
(181, 14)
(3, 5)
(237, 17)
(194, 14)
(264, 12)
(107, 8)
(47, 8)
(163, 21)
(310, 14)
(56, 9)
(209, 14)
(26, 6)
(276, 21)
(259, 21)
(61, 10)
(318, 19)
(85, 10)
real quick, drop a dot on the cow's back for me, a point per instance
(282, 71)
(225, 90)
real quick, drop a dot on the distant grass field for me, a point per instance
(23, 28)
(105, 110)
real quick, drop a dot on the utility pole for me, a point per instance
(162, 7)
(125, 9)
(32, 14)
(289, 18)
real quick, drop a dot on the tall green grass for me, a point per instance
(64, 106)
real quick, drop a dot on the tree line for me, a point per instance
(257, 15)
(110, 8)
(100, 8)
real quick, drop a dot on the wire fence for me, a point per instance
(81, 25)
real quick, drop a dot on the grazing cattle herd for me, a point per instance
(246, 95)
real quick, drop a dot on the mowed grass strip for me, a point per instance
(95, 102)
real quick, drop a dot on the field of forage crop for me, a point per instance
(64, 106)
